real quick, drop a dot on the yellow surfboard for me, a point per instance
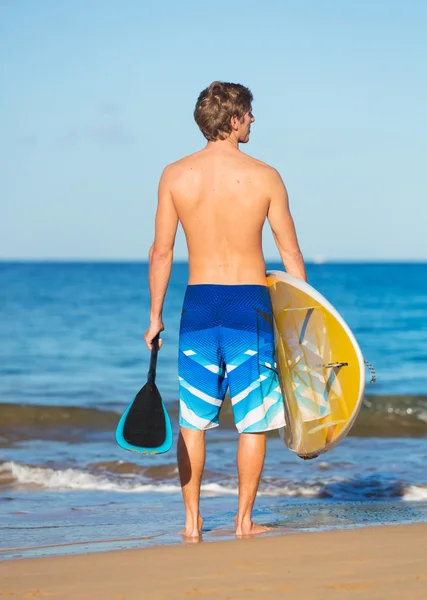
(321, 367)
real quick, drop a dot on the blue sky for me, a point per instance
(97, 96)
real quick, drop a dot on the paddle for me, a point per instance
(145, 425)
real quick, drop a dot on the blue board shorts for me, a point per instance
(227, 341)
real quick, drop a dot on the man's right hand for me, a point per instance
(154, 328)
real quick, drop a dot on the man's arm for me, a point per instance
(161, 255)
(283, 228)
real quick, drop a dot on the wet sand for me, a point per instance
(371, 563)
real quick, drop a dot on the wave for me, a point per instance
(416, 493)
(380, 416)
(21, 476)
(72, 479)
(391, 416)
(47, 416)
(72, 424)
(16, 474)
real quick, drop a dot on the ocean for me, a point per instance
(72, 357)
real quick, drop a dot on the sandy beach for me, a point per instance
(371, 563)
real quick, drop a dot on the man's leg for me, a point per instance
(191, 462)
(250, 461)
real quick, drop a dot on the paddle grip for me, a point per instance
(153, 360)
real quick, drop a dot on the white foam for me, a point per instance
(269, 490)
(415, 493)
(309, 491)
(74, 479)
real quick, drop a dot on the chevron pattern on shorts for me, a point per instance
(226, 341)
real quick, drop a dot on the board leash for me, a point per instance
(372, 371)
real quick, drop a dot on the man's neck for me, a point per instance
(230, 142)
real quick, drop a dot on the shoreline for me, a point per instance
(95, 546)
(368, 562)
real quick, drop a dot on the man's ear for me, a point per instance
(235, 123)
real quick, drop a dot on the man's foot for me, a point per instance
(190, 531)
(251, 528)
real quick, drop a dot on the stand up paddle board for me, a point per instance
(321, 368)
(145, 426)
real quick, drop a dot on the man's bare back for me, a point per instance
(221, 196)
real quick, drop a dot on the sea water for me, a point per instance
(72, 357)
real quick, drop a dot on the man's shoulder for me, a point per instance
(264, 169)
(178, 167)
(192, 162)
(184, 162)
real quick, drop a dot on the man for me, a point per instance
(222, 197)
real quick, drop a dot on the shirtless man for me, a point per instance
(222, 198)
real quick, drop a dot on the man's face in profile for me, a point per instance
(245, 127)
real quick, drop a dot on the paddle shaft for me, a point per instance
(153, 360)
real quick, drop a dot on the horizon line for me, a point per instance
(310, 261)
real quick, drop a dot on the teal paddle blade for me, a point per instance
(145, 425)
